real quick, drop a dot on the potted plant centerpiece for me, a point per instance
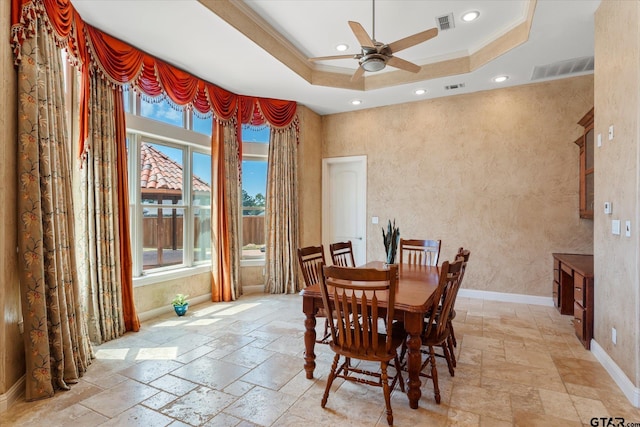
(180, 304)
(391, 241)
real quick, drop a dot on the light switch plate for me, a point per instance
(599, 139)
(627, 228)
(615, 226)
(374, 220)
(611, 133)
(607, 208)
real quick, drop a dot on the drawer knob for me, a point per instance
(577, 320)
(579, 289)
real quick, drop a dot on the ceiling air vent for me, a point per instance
(445, 22)
(563, 68)
(455, 86)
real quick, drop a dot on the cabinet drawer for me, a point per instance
(555, 292)
(578, 288)
(556, 270)
(579, 316)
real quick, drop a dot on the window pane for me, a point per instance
(162, 235)
(201, 206)
(254, 185)
(126, 96)
(161, 174)
(202, 125)
(202, 234)
(255, 134)
(162, 111)
(201, 179)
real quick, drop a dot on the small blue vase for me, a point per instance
(181, 309)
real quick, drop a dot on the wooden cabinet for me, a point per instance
(585, 142)
(573, 292)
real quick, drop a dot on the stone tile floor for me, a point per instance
(241, 364)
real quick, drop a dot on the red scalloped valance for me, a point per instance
(122, 64)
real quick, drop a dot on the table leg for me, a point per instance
(413, 326)
(309, 336)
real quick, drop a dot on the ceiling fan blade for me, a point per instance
(403, 64)
(358, 74)
(413, 40)
(326, 58)
(361, 35)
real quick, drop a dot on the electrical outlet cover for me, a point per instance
(615, 226)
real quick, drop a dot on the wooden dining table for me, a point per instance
(414, 295)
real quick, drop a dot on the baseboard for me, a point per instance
(146, 315)
(253, 289)
(506, 297)
(12, 395)
(630, 391)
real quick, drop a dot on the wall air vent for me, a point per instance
(455, 86)
(563, 68)
(445, 22)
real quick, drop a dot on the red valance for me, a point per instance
(122, 64)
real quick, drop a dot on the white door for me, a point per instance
(344, 203)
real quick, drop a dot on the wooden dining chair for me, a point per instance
(366, 294)
(464, 254)
(342, 254)
(419, 252)
(311, 260)
(436, 331)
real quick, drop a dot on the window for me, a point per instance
(170, 186)
(255, 150)
(201, 202)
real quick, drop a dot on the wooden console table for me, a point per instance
(573, 291)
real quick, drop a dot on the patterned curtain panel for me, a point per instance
(57, 348)
(225, 250)
(282, 212)
(232, 184)
(98, 237)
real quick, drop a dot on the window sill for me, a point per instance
(179, 273)
(252, 262)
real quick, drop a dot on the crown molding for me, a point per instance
(241, 17)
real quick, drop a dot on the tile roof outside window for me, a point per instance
(158, 171)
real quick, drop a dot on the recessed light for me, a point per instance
(500, 79)
(420, 91)
(470, 16)
(342, 47)
(356, 102)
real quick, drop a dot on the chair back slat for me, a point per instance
(419, 252)
(310, 259)
(358, 297)
(342, 254)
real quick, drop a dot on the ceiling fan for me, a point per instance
(376, 55)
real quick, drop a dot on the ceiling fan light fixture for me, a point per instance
(373, 62)
(470, 16)
(342, 47)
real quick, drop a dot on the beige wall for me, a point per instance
(617, 86)
(11, 347)
(251, 276)
(158, 295)
(495, 172)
